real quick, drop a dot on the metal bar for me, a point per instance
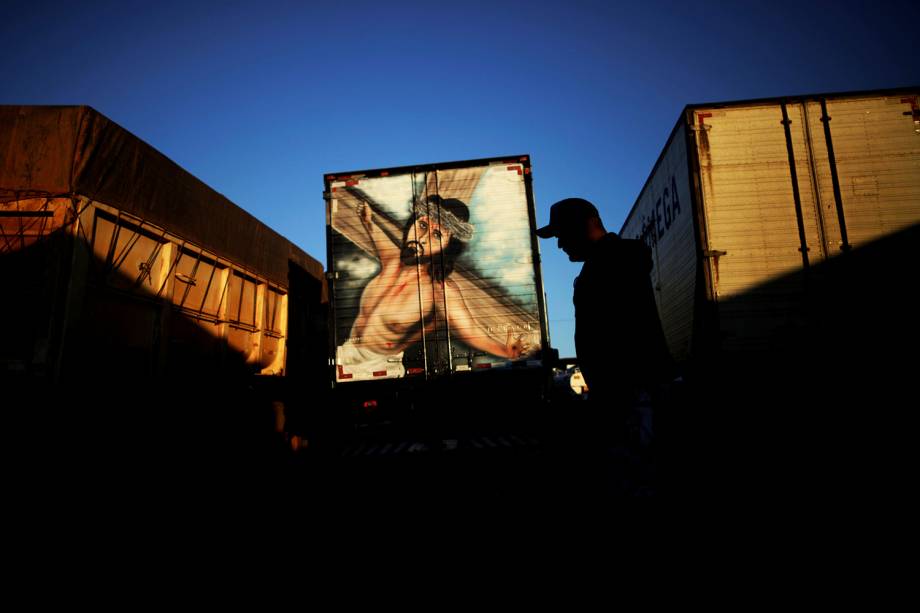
(78, 277)
(136, 236)
(188, 286)
(819, 212)
(110, 251)
(21, 214)
(145, 271)
(41, 229)
(450, 347)
(835, 181)
(275, 300)
(223, 292)
(795, 187)
(418, 274)
(6, 239)
(332, 333)
(34, 217)
(77, 212)
(255, 304)
(207, 289)
(426, 168)
(22, 237)
(539, 289)
(172, 267)
(239, 306)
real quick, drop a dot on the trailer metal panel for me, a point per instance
(752, 222)
(783, 188)
(663, 218)
(393, 317)
(877, 154)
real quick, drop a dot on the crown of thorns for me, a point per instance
(461, 230)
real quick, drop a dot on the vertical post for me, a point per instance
(81, 252)
(418, 273)
(165, 283)
(819, 210)
(260, 324)
(450, 349)
(223, 308)
(795, 187)
(282, 312)
(832, 161)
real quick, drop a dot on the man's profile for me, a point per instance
(619, 341)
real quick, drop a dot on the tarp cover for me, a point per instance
(74, 150)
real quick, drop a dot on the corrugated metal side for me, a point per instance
(663, 218)
(751, 218)
(877, 154)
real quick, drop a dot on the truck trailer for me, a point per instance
(146, 317)
(784, 234)
(119, 263)
(435, 281)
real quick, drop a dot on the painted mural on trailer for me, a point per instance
(434, 273)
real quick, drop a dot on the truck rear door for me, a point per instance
(433, 270)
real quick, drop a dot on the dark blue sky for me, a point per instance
(260, 99)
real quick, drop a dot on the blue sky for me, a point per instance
(260, 99)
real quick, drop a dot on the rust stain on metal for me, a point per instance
(705, 153)
(704, 134)
(914, 112)
(714, 255)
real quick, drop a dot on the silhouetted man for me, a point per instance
(618, 337)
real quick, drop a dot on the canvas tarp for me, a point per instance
(74, 150)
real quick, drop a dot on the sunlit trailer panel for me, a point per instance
(789, 199)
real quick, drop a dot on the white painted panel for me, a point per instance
(663, 218)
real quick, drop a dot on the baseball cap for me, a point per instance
(565, 214)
